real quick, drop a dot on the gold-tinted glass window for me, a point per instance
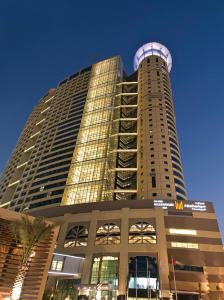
(142, 233)
(105, 270)
(89, 178)
(108, 234)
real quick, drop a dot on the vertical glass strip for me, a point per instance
(91, 175)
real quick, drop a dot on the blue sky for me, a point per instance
(44, 41)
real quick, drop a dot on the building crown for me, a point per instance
(153, 48)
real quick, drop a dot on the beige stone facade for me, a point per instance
(159, 164)
(189, 235)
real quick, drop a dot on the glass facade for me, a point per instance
(89, 177)
(105, 270)
(143, 279)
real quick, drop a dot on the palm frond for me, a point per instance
(30, 233)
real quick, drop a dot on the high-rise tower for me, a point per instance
(99, 136)
(160, 173)
(38, 167)
(100, 156)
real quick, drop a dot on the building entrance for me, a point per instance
(143, 279)
(65, 289)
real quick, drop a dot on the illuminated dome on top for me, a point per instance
(152, 49)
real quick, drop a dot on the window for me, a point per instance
(179, 190)
(143, 275)
(76, 236)
(176, 167)
(105, 270)
(177, 181)
(142, 233)
(153, 181)
(177, 174)
(154, 194)
(108, 234)
(57, 263)
(189, 268)
(182, 231)
(184, 245)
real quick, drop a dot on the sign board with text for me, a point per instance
(181, 205)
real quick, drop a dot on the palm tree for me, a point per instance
(28, 233)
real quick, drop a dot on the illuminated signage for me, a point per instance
(181, 205)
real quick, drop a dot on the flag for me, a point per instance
(175, 262)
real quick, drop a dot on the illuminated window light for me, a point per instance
(38, 123)
(128, 82)
(5, 204)
(71, 256)
(22, 165)
(57, 265)
(35, 134)
(13, 183)
(184, 245)
(49, 99)
(63, 273)
(127, 105)
(126, 94)
(43, 111)
(183, 231)
(28, 149)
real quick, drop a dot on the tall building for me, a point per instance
(100, 155)
(100, 136)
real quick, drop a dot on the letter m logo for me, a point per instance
(179, 205)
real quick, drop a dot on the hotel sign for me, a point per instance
(181, 205)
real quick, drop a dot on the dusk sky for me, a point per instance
(42, 42)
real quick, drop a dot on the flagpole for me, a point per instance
(147, 272)
(136, 276)
(128, 275)
(160, 279)
(174, 278)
